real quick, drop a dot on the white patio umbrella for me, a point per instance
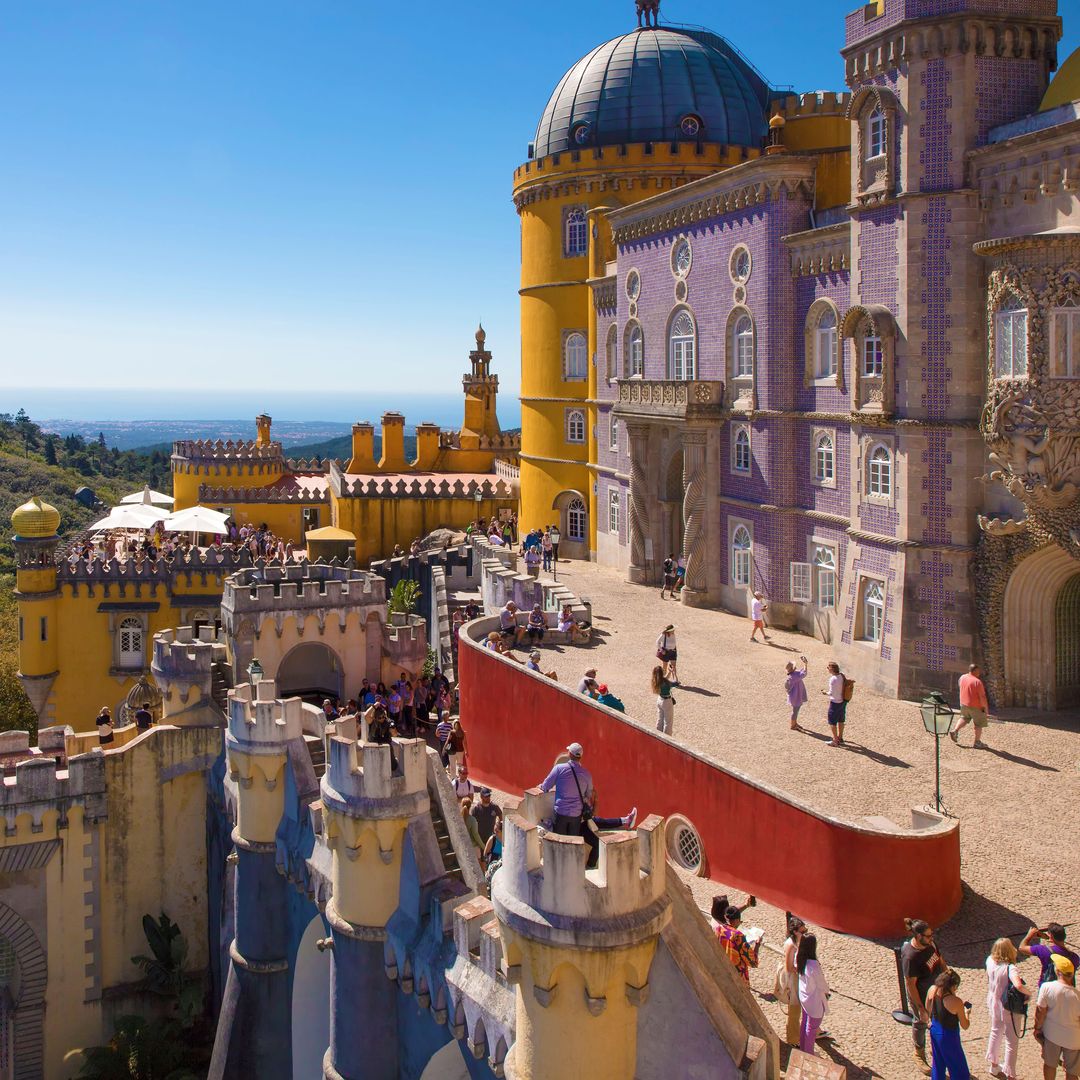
(196, 519)
(130, 517)
(148, 497)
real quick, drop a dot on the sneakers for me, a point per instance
(953, 736)
(920, 1060)
(631, 819)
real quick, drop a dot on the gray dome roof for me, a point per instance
(640, 88)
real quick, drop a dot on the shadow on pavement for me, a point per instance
(697, 690)
(992, 920)
(1016, 759)
(874, 755)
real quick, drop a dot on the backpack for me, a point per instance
(849, 687)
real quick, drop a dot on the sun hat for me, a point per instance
(669, 628)
(575, 749)
(535, 654)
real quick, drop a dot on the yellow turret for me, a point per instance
(36, 525)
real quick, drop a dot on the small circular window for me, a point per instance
(682, 256)
(684, 845)
(741, 265)
(633, 285)
(582, 134)
(690, 126)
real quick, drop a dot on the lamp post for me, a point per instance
(937, 718)
(255, 671)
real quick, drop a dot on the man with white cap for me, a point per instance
(573, 786)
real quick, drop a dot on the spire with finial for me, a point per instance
(481, 337)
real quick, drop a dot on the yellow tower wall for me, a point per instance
(187, 479)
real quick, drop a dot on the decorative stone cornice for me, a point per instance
(750, 184)
(1033, 38)
(820, 251)
(566, 186)
(1028, 168)
(669, 399)
(604, 293)
(1035, 242)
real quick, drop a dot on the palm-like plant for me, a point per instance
(404, 597)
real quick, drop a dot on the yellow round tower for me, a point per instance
(642, 113)
(37, 525)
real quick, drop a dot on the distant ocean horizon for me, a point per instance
(335, 406)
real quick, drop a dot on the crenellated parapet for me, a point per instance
(191, 454)
(41, 789)
(579, 944)
(213, 560)
(417, 488)
(815, 103)
(300, 587)
(296, 495)
(451, 440)
(183, 668)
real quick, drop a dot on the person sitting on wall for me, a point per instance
(534, 665)
(379, 731)
(511, 631)
(606, 697)
(577, 632)
(497, 645)
(535, 625)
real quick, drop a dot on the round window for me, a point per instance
(582, 134)
(633, 285)
(682, 257)
(740, 264)
(684, 845)
(690, 126)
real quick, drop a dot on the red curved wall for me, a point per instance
(829, 872)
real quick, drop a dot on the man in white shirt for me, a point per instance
(463, 787)
(1057, 1020)
(757, 613)
(837, 704)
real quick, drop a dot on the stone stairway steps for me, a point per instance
(446, 845)
(316, 749)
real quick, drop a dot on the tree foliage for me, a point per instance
(404, 597)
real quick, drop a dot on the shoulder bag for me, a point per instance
(586, 809)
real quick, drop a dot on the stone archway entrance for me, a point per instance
(312, 671)
(1041, 631)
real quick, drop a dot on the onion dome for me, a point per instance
(35, 520)
(656, 85)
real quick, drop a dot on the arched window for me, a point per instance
(875, 134)
(873, 611)
(825, 569)
(577, 356)
(613, 440)
(612, 352)
(740, 556)
(131, 643)
(1010, 340)
(575, 520)
(635, 359)
(576, 238)
(740, 453)
(613, 511)
(824, 459)
(742, 348)
(1065, 341)
(575, 426)
(682, 346)
(872, 358)
(825, 345)
(880, 472)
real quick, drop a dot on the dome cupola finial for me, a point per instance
(646, 10)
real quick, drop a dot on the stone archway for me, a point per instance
(1039, 648)
(310, 670)
(310, 1003)
(27, 995)
(671, 504)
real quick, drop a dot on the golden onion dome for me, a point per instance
(776, 122)
(35, 519)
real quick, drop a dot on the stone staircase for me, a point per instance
(446, 845)
(316, 749)
(220, 684)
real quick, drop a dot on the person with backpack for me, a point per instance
(1006, 1025)
(669, 578)
(1054, 933)
(839, 694)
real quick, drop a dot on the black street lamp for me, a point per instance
(937, 718)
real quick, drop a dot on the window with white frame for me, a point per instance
(824, 459)
(879, 472)
(575, 520)
(742, 348)
(1065, 341)
(873, 611)
(825, 345)
(130, 653)
(681, 341)
(576, 238)
(802, 583)
(741, 556)
(1010, 340)
(740, 449)
(577, 356)
(825, 573)
(612, 353)
(873, 363)
(575, 426)
(613, 433)
(635, 358)
(875, 134)
(613, 511)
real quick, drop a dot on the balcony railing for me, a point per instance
(675, 398)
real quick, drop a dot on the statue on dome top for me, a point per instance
(647, 9)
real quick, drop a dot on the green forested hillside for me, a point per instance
(34, 463)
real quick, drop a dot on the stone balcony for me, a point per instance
(673, 399)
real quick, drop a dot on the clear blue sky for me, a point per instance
(316, 190)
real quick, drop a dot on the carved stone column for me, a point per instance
(695, 533)
(639, 502)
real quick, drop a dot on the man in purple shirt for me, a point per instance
(1054, 933)
(573, 785)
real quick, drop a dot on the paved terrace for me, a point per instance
(1016, 802)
